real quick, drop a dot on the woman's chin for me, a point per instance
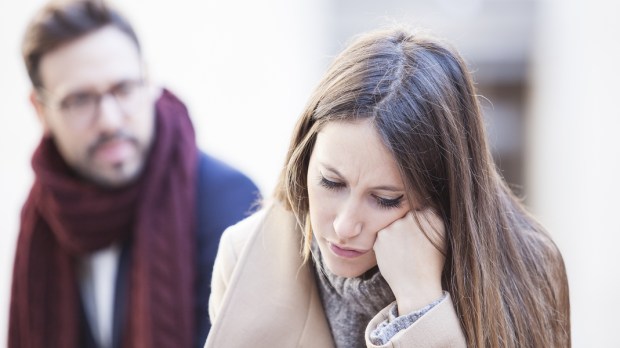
(347, 271)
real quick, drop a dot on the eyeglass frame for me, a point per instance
(115, 91)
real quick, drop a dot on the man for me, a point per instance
(120, 230)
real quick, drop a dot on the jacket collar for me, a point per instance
(273, 299)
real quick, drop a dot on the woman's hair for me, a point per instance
(63, 21)
(506, 277)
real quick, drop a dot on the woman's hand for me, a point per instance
(409, 262)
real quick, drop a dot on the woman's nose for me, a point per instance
(348, 222)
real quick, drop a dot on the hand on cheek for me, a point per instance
(409, 262)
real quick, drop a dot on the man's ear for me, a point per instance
(154, 91)
(35, 100)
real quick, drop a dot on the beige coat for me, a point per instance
(263, 296)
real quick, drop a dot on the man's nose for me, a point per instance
(109, 113)
(348, 223)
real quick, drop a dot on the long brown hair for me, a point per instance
(504, 273)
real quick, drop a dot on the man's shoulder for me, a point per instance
(215, 175)
(268, 222)
(211, 167)
(225, 194)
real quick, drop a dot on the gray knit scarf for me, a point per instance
(350, 303)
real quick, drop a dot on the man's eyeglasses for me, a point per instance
(81, 108)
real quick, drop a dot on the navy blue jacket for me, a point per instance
(224, 197)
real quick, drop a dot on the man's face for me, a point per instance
(96, 106)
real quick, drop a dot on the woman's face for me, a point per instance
(354, 191)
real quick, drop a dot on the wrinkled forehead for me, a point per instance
(355, 150)
(93, 61)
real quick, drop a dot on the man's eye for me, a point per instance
(123, 89)
(78, 101)
(331, 185)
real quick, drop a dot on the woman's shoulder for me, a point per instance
(237, 236)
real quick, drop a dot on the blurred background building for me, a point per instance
(547, 72)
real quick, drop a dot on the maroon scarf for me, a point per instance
(65, 217)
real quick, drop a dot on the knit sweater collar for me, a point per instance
(350, 303)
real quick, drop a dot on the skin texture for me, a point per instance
(357, 202)
(112, 150)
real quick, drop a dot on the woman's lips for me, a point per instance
(345, 252)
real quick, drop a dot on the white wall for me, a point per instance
(19, 136)
(574, 151)
(244, 70)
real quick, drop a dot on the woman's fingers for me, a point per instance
(410, 256)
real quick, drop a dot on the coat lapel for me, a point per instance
(272, 299)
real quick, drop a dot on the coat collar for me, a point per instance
(272, 298)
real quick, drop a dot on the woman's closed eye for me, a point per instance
(388, 203)
(331, 185)
(382, 202)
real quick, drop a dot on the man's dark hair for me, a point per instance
(61, 22)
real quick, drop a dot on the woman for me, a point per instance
(408, 235)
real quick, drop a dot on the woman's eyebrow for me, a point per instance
(388, 188)
(331, 169)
